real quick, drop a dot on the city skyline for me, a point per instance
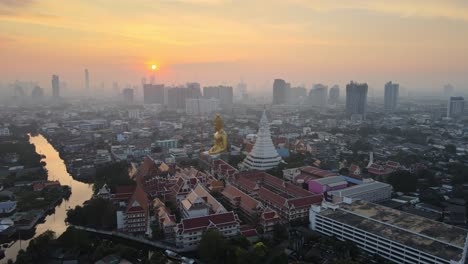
(224, 42)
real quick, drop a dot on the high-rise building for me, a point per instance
(334, 95)
(448, 90)
(201, 106)
(223, 93)
(153, 94)
(127, 95)
(241, 90)
(318, 96)
(37, 92)
(86, 74)
(356, 100)
(193, 90)
(280, 92)
(263, 155)
(391, 96)
(297, 95)
(55, 86)
(456, 106)
(176, 97)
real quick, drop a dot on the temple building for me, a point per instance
(263, 155)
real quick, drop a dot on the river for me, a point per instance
(80, 192)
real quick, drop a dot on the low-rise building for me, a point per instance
(371, 192)
(200, 203)
(392, 234)
(189, 231)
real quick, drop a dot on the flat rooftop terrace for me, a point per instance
(432, 237)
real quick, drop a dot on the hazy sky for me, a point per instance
(422, 44)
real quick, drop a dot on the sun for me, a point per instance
(153, 67)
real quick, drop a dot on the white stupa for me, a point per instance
(263, 155)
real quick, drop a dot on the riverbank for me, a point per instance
(56, 169)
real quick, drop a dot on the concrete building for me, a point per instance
(127, 94)
(176, 97)
(153, 94)
(168, 143)
(392, 234)
(371, 192)
(356, 100)
(291, 202)
(199, 202)
(280, 92)
(391, 96)
(86, 73)
(201, 106)
(334, 95)
(318, 96)
(456, 106)
(297, 95)
(224, 94)
(189, 231)
(327, 184)
(37, 93)
(263, 155)
(55, 86)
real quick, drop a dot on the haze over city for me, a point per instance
(422, 44)
(233, 131)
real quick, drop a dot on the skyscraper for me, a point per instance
(127, 95)
(37, 92)
(193, 90)
(223, 93)
(176, 97)
(86, 74)
(448, 90)
(153, 94)
(55, 86)
(241, 90)
(334, 95)
(297, 95)
(456, 106)
(356, 100)
(280, 92)
(318, 96)
(391, 96)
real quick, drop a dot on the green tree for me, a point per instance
(450, 148)
(97, 213)
(403, 181)
(157, 258)
(212, 247)
(37, 249)
(280, 233)
(114, 174)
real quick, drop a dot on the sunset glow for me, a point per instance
(224, 41)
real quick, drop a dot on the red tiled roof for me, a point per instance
(305, 201)
(247, 203)
(124, 189)
(317, 172)
(141, 197)
(204, 221)
(267, 195)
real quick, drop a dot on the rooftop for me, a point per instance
(429, 236)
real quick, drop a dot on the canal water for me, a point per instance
(80, 192)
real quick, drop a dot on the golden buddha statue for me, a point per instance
(220, 137)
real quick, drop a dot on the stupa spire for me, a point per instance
(263, 155)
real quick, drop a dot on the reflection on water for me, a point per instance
(57, 171)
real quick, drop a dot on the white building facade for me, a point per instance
(394, 235)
